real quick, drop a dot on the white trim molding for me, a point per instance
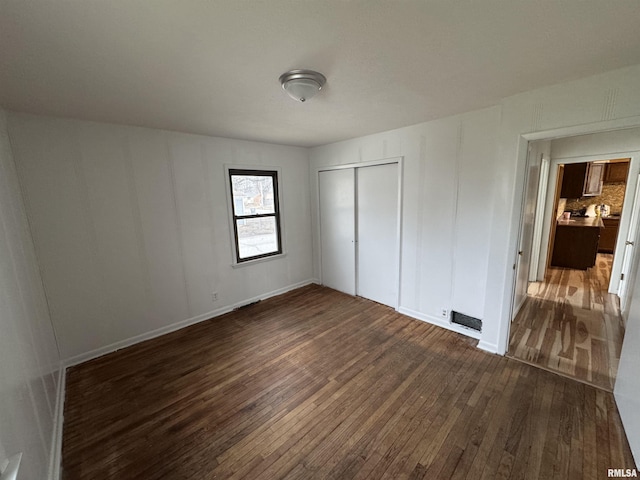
(489, 347)
(55, 457)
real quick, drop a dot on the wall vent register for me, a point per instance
(466, 321)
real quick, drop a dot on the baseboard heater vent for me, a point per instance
(466, 321)
(247, 305)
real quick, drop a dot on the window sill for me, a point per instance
(258, 260)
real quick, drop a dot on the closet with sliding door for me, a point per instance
(360, 229)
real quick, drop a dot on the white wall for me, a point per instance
(131, 227)
(448, 179)
(29, 360)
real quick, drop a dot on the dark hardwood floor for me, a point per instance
(318, 384)
(570, 324)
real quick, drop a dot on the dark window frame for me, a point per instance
(276, 211)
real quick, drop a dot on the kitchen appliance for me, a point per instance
(591, 211)
(581, 212)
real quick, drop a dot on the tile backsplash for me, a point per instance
(612, 195)
(562, 203)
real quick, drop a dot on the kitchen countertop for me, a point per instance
(582, 222)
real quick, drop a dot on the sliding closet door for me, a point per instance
(377, 227)
(337, 229)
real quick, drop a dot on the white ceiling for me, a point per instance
(212, 67)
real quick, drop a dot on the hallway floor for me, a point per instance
(571, 325)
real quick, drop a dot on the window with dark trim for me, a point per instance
(256, 213)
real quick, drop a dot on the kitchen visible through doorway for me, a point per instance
(568, 322)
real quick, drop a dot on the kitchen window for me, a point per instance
(255, 210)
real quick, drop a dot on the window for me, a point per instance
(256, 213)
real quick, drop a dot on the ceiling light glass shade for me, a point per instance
(301, 90)
(301, 85)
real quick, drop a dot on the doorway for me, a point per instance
(566, 314)
(360, 229)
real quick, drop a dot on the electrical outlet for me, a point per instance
(444, 313)
(214, 296)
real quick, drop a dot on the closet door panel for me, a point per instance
(377, 233)
(337, 229)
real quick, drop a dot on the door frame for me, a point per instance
(515, 308)
(627, 207)
(628, 258)
(521, 159)
(538, 228)
(355, 165)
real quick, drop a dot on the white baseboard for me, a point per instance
(517, 308)
(488, 347)
(98, 352)
(55, 457)
(438, 322)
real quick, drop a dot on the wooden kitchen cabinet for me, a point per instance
(608, 235)
(573, 180)
(582, 180)
(616, 172)
(576, 243)
(593, 181)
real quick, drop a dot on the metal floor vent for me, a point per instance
(466, 321)
(247, 305)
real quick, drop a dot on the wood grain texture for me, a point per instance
(316, 384)
(570, 324)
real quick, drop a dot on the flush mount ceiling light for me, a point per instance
(301, 85)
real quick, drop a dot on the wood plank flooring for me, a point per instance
(316, 384)
(570, 324)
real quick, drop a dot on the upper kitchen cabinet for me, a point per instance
(616, 172)
(593, 182)
(582, 180)
(573, 180)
